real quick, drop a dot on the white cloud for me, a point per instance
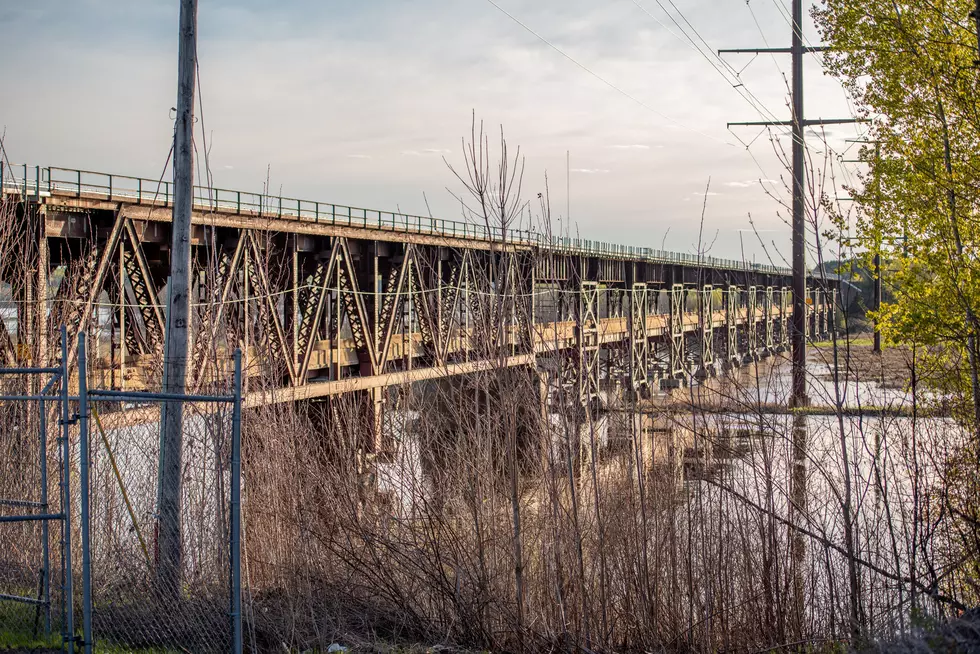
(359, 156)
(702, 193)
(632, 146)
(590, 171)
(419, 153)
(750, 183)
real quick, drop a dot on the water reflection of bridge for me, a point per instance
(328, 299)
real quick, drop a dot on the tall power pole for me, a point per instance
(178, 313)
(799, 123)
(798, 331)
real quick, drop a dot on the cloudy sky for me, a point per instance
(358, 102)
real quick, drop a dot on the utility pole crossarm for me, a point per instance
(806, 49)
(806, 123)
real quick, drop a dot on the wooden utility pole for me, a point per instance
(178, 312)
(798, 124)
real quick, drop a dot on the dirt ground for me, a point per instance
(891, 367)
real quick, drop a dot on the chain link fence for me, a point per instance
(124, 598)
(131, 604)
(34, 588)
(138, 601)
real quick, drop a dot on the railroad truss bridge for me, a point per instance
(327, 300)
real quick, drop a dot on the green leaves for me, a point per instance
(910, 67)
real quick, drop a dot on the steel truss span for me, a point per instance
(326, 300)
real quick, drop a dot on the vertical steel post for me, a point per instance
(706, 318)
(122, 314)
(677, 364)
(770, 328)
(68, 598)
(83, 466)
(731, 323)
(799, 223)
(236, 510)
(45, 552)
(833, 312)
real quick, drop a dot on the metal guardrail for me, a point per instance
(52, 181)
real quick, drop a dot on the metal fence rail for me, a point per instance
(129, 604)
(26, 525)
(39, 181)
(121, 600)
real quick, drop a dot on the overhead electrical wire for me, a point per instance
(604, 80)
(734, 81)
(732, 78)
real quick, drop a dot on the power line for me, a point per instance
(799, 124)
(603, 79)
(736, 83)
(765, 41)
(812, 50)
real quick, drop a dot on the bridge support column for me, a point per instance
(815, 315)
(784, 303)
(752, 331)
(587, 328)
(706, 317)
(818, 330)
(639, 341)
(30, 293)
(676, 363)
(833, 311)
(731, 328)
(809, 314)
(770, 327)
(824, 314)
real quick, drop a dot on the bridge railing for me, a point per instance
(46, 181)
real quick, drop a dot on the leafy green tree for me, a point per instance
(911, 68)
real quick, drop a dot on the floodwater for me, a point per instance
(819, 475)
